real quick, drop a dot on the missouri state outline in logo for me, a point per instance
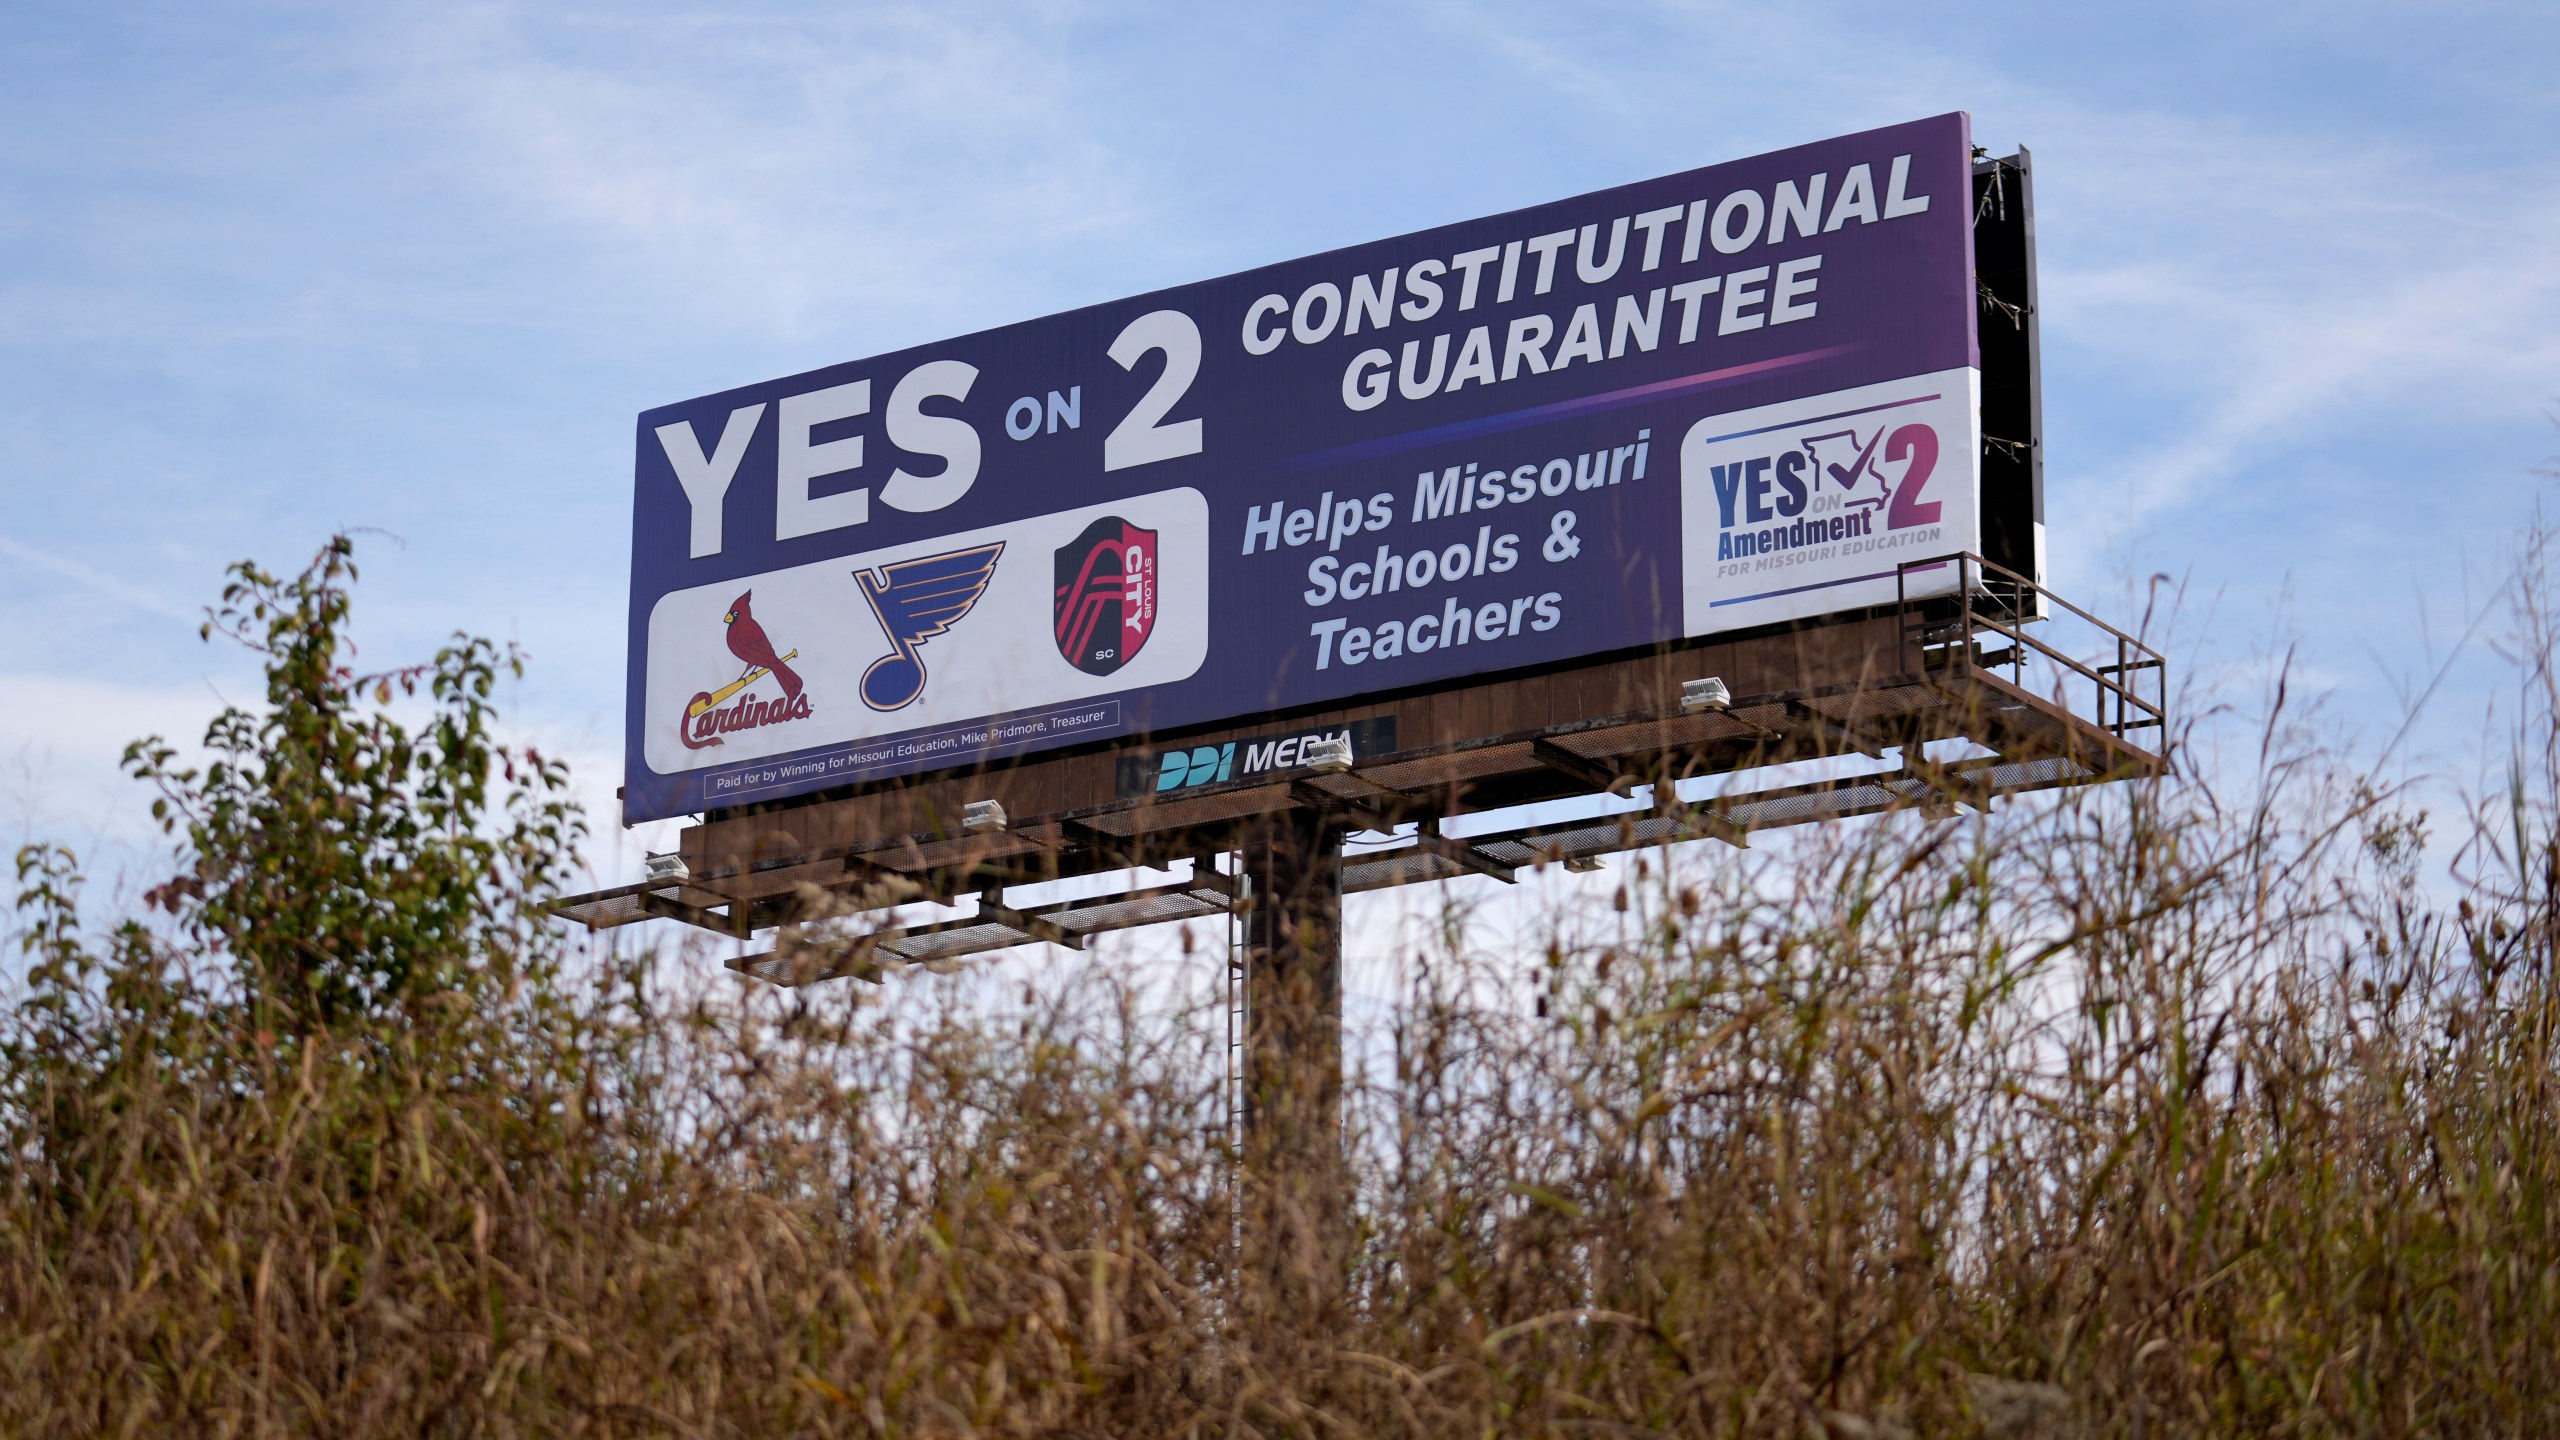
(1106, 596)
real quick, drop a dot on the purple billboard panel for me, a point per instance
(1718, 399)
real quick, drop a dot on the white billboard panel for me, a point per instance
(1807, 507)
(1015, 626)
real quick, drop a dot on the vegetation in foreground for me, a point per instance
(2138, 1111)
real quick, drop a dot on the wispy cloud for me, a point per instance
(2275, 291)
(768, 167)
(96, 581)
(2255, 283)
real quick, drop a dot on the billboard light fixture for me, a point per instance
(1707, 694)
(982, 816)
(669, 866)
(1585, 864)
(1329, 756)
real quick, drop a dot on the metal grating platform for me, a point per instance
(825, 906)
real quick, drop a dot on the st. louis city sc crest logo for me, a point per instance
(916, 600)
(1106, 597)
(705, 719)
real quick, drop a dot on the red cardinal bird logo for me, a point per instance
(748, 643)
(705, 721)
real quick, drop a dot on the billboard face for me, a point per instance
(1718, 399)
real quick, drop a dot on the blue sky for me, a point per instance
(272, 270)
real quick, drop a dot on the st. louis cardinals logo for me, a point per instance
(705, 721)
(1106, 596)
(916, 600)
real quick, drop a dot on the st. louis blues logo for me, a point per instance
(1106, 598)
(917, 600)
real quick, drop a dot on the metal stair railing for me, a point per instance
(1991, 599)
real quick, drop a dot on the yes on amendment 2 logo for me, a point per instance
(1813, 505)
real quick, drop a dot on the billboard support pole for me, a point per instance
(1296, 1228)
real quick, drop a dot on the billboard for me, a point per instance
(1737, 395)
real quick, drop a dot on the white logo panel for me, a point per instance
(1807, 507)
(769, 664)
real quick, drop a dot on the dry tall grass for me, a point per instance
(2131, 1112)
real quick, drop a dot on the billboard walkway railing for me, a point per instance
(2127, 693)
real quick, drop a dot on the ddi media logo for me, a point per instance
(1165, 772)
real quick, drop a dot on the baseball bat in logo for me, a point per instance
(916, 600)
(1106, 597)
(705, 722)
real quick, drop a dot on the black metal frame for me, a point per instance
(1996, 599)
